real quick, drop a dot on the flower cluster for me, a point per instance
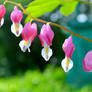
(29, 32)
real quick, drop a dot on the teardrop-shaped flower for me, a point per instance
(87, 62)
(68, 48)
(46, 36)
(16, 17)
(2, 13)
(28, 34)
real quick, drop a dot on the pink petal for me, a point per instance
(16, 15)
(29, 32)
(87, 62)
(68, 47)
(84, 65)
(41, 36)
(2, 11)
(46, 34)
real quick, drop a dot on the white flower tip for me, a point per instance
(1, 22)
(46, 53)
(16, 29)
(24, 45)
(67, 64)
(29, 50)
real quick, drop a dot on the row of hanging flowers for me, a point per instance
(29, 32)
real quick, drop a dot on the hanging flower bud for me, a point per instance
(68, 48)
(28, 34)
(87, 62)
(46, 36)
(2, 13)
(16, 17)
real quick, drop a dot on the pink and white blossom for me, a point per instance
(68, 48)
(16, 17)
(28, 34)
(46, 36)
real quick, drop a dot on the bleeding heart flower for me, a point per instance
(16, 17)
(87, 62)
(46, 36)
(28, 34)
(68, 48)
(2, 13)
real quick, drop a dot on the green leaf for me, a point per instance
(68, 7)
(39, 7)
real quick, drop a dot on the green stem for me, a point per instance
(85, 2)
(51, 23)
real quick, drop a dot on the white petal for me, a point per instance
(16, 32)
(45, 55)
(65, 66)
(2, 22)
(29, 50)
(24, 46)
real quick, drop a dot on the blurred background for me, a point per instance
(29, 72)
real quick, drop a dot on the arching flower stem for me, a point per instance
(51, 23)
(85, 2)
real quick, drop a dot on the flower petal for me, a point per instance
(29, 31)
(68, 47)
(24, 45)
(46, 53)
(2, 11)
(16, 31)
(1, 22)
(46, 35)
(67, 64)
(16, 15)
(87, 62)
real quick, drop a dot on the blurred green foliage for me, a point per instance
(68, 7)
(39, 7)
(51, 80)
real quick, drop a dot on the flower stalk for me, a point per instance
(51, 23)
(85, 2)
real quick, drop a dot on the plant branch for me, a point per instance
(85, 2)
(51, 23)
